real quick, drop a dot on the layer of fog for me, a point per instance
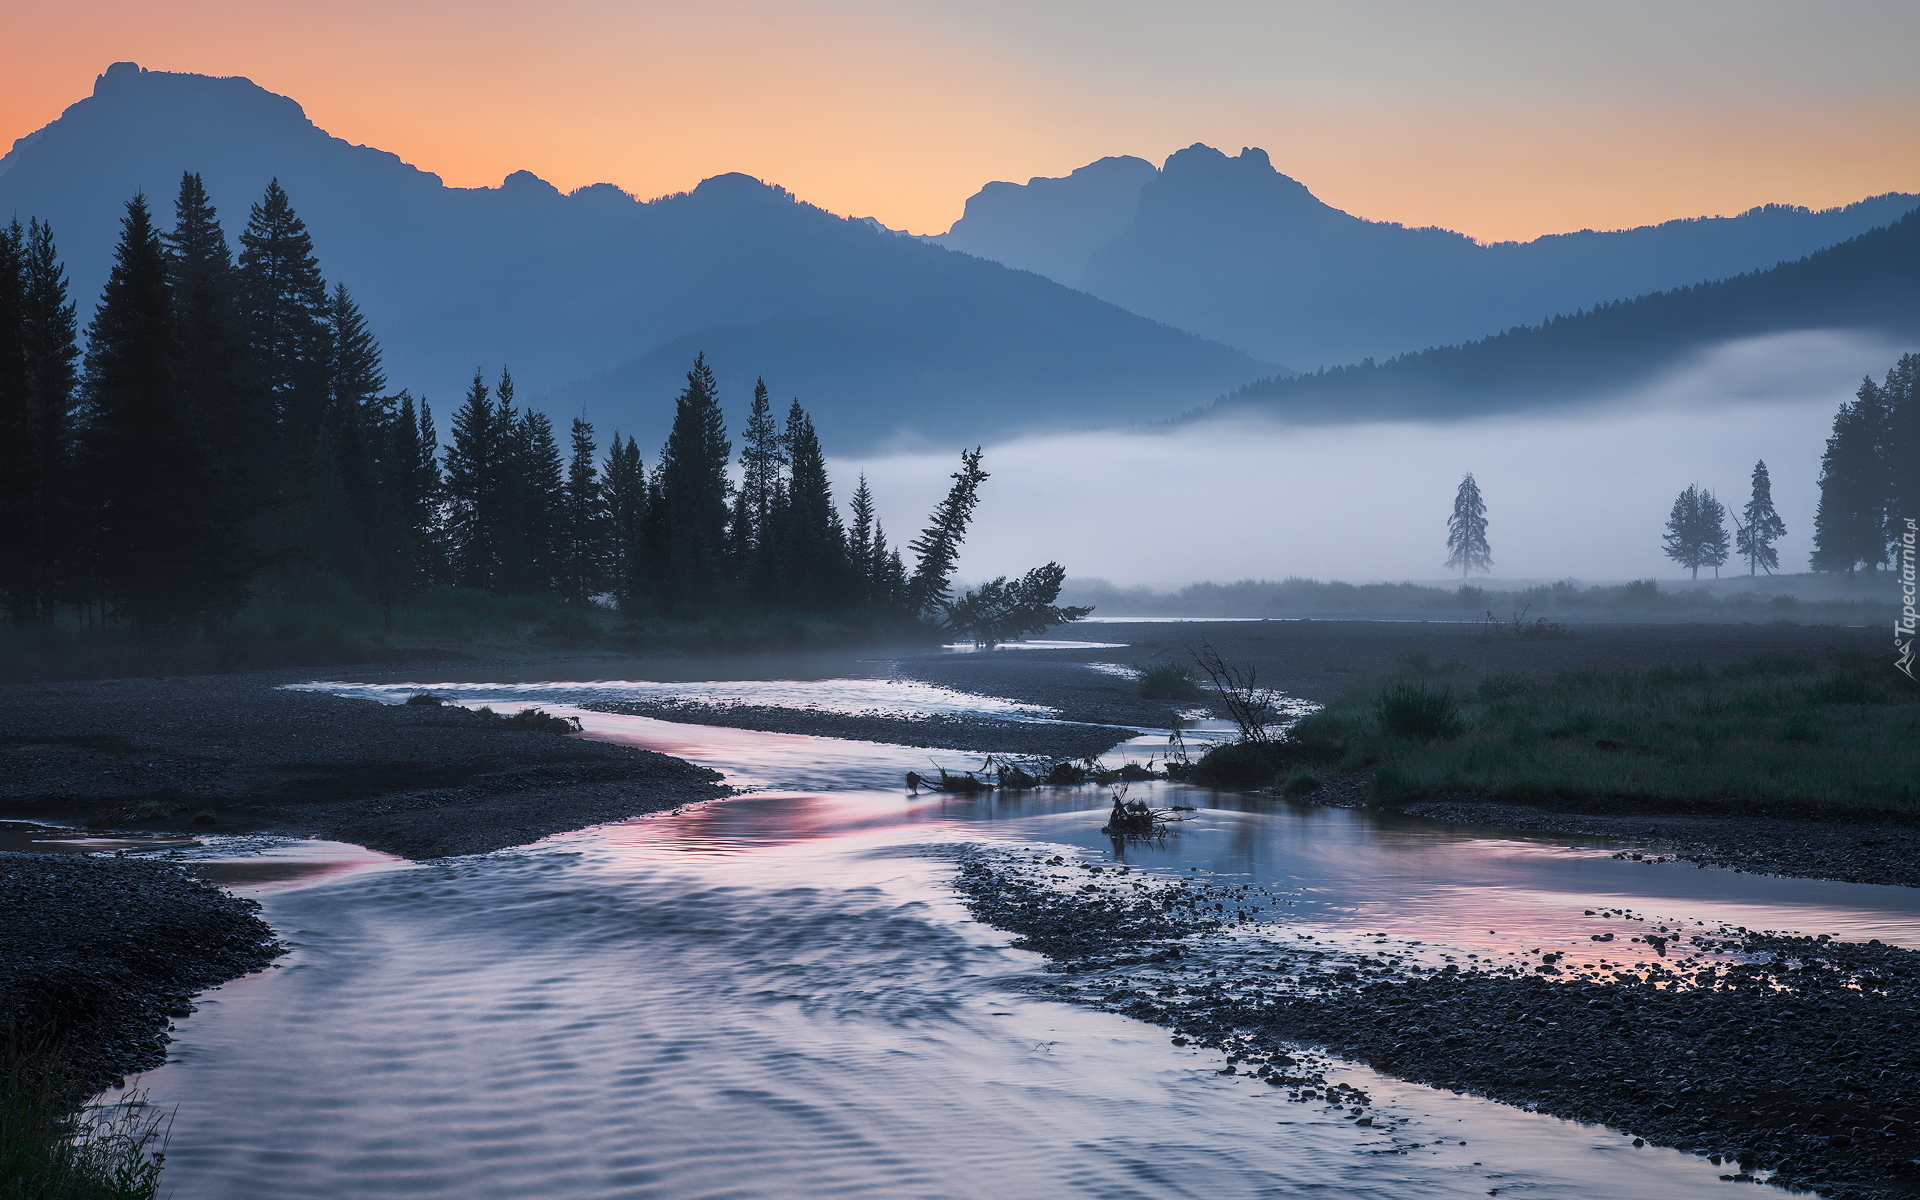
(1580, 493)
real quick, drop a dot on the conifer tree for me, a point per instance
(1850, 525)
(860, 546)
(1901, 394)
(49, 344)
(472, 490)
(199, 261)
(812, 541)
(1760, 526)
(18, 593)
(417, 490)
(688, 509)
(938, 546)
(1467, 530)
(762, 458)
(543, 492)
(626, 497)
(283, 303)
(164, 554)
(1696, 531)
(583, 542)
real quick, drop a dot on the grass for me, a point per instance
(52, 1148)
(1169, 681)
(1770, 731)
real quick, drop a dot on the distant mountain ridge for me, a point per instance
(1235, 251)
(598, 300)
(1868, 283)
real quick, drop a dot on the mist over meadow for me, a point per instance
(1580, 493)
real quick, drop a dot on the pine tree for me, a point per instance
(164, 554)
(1761, 526)
(583, 542)
(542, 516)
(860, 544)
(472, 490)
(1467, 531)
(688, 509)
(19, 591)
(420, 557)
(283, 303)
(626, 497)
(1696, 531)
(812, 542)
(762, 459)
(1901, 395)
(199, 261)
(49, 344)
(938, 546)
(1850, 524)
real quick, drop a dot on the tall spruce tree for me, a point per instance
(688, 508)
(1850, 524)
(762, 458)
(1696, 531)
(1901, 396)
(417, 489)
(473, 492)
(1467, 546)
(938, 546)
(584, 521)
(542, 515)
(806, 525)
(626, 497)
(1760, 526)
(52, 354)
(163, 553)
(284, 313)
(18, 591)
(860, 547)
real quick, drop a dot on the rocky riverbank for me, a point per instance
(239, 754)
(98, 952)
(1783, 1058)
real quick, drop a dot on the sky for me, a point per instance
(1498, 118)
(1582, 494)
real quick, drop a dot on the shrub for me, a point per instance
(1241, 764)
(1301, 784)
(1169, 681)
(425, 698)
(1416, 711)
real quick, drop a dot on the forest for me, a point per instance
(225, 465)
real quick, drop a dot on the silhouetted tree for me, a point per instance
(805, 525)
(541, 514)
(938, 546)
(473, 471)
(626, 493)
(49, 344)
(1850, 525)
(1901, 395)
(1000, 611)
(688, 525)
(1696, 531)
(583, 526)
(762, 459)
(19, 592)
(163, 554)
(1467, 530)
(283, 303)
(1760, 526)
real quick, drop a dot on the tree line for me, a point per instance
(229, 424)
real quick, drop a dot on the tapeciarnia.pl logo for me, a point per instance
(1903, 625)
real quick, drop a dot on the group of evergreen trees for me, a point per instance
(230, 424)
(1870, 474)
(228, 415)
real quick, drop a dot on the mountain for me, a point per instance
(1233, 250)
(598, 300)
(1868, 283)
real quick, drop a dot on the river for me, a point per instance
(778, 994)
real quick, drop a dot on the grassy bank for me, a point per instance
(55, 1147)
(321, 626)
(1770, 732)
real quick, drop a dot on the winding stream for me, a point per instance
(777, 995)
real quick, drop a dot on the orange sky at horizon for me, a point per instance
(1497, 118)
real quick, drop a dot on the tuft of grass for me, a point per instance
(1769, 731)
(1413, 710)
(1169, 681)
(54, 1148)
